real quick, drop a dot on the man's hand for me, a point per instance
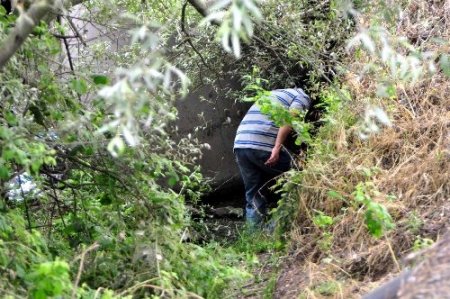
(274, 157)
(283, 132)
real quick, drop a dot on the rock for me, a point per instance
(230, 212)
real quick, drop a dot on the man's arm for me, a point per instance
(283, 133)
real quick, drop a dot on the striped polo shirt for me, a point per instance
(257, 131)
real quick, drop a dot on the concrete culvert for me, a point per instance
(429, 279)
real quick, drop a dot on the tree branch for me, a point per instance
(76, 31)
(199, 6)
(189, 41)
(60, 36)
(25, 25)
(69, 56)
(188, 36)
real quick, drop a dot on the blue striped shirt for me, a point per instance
(257, 131)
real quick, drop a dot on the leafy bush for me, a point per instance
(49, 279)
(377, 218)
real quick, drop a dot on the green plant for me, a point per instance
(255, 85)
(414, 222)
(270, 287)
(49, 279)
(325, 241)
(108, 170)
(281, 116)
(254, 242)
(322, 220)
(422, 243)
(377, 218)
(328, 288)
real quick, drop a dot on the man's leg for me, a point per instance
(255, 175)
(252, 177)
(268, 173)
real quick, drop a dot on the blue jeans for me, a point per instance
(255, 176)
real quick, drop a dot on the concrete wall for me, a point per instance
(218, 117)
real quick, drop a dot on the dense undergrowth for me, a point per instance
(365, 201)
(110, 217)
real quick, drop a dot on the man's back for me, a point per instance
(257, 131)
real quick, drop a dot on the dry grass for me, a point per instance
(412, 162)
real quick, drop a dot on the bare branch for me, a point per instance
(80, 268)
(201, 7)
(189, 41)
(60, 36)
(188, 36)
(76, 31)
(69, 55)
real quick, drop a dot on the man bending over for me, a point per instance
(259, 151)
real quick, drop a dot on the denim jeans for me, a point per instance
(255, 176)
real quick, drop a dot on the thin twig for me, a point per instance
(75, 30)
(114, 27)
(146, 284)
(60, 36)
(263, 43)
(69, 56)
(189, 41)
(27, 211)
(80, 268)
(394, 258)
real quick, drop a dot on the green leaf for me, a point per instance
(378, 219)
(49, 160)
(2, 11)
(373, 225)
(89, 151)
(79, 85)
(322, 220)
(172, 181)
(35, 165)
(40, 30)
(20, 271)
(8, 154)
(4, 173)
(444, 62)
(335, 194)
(116, 146)
(42, 68)
(11, 118)
(100, 79)
(5, 132)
